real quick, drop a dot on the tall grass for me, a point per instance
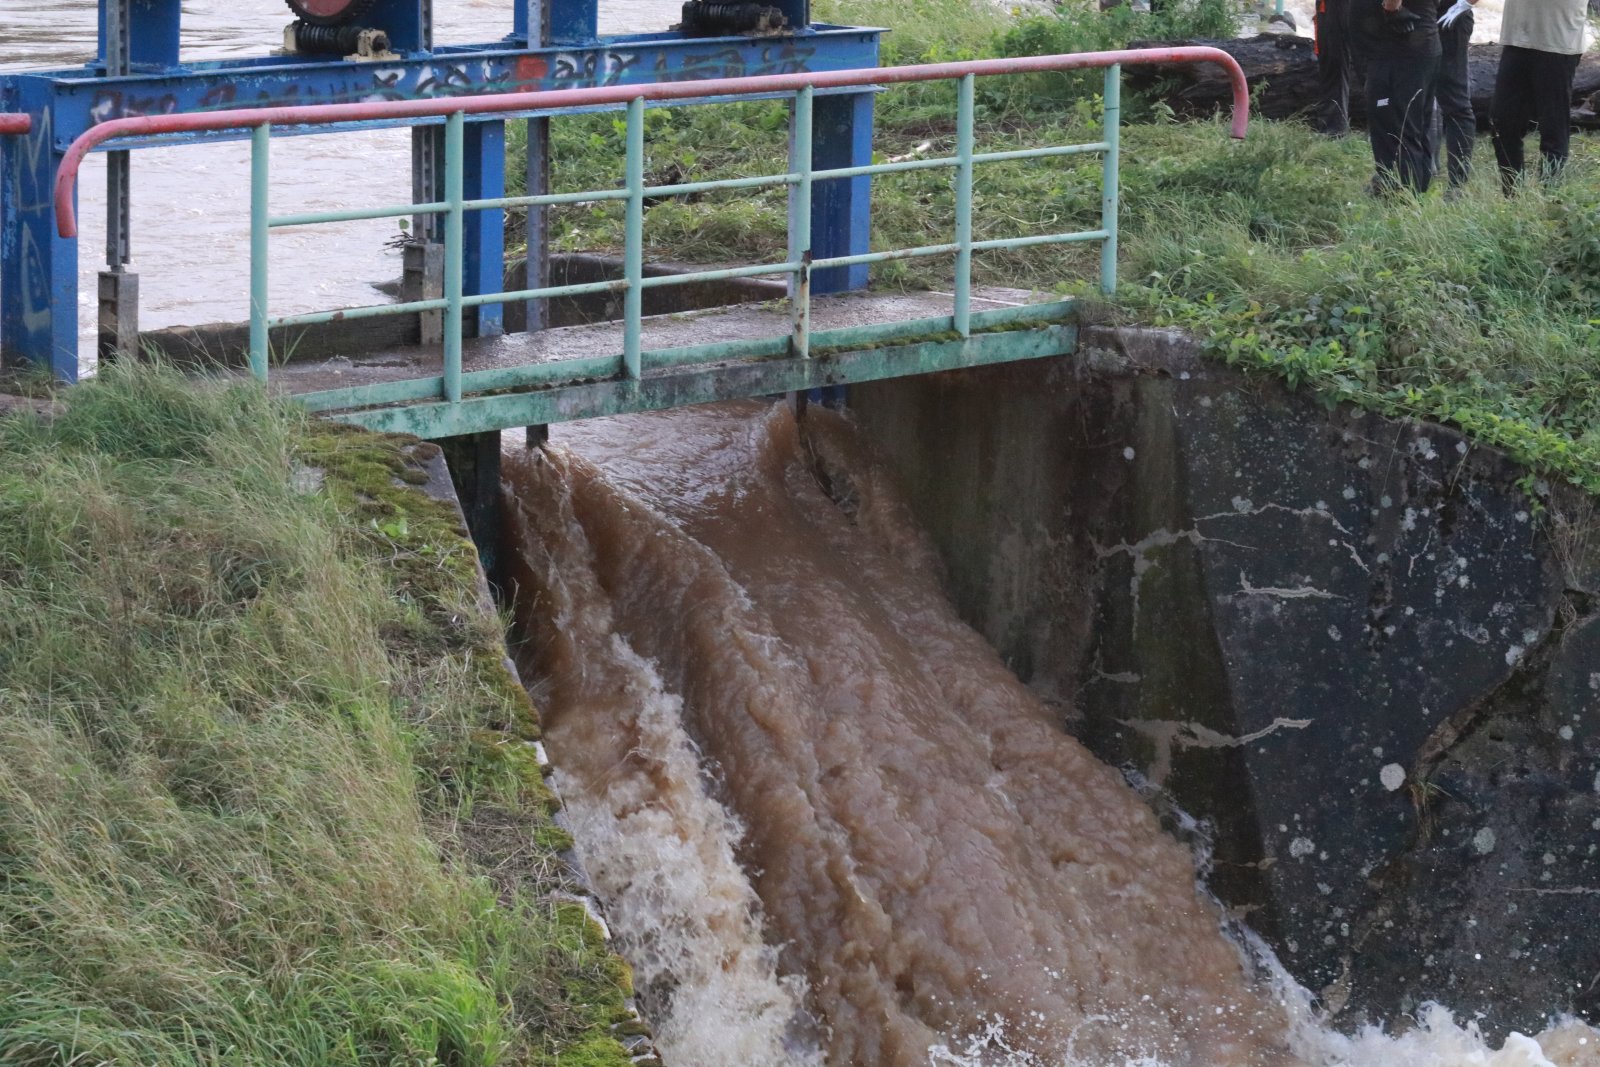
(1483, 311)
(219, 766)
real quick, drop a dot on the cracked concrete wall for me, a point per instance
(1351, 644)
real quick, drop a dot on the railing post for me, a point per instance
(800, 220)
(454, 194)
(260, 232)
(1112, 122)
(633, 250)
(964, 151)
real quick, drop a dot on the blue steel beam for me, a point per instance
(153, 31)
(841, 211)
(82, 99)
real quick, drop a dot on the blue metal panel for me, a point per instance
(485, 230)
(38, 270)
(841, 209)
(569, 23)
(153, 32)
(406, 22)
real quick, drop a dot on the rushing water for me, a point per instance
(191, 204)
(831, 826)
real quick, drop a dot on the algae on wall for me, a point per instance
(266, 787)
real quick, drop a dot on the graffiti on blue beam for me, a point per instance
(96, 100)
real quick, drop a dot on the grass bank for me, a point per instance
(252, 729)
(1483, 312)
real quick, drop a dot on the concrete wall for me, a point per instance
(1353, 645)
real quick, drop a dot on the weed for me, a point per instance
(231, 703)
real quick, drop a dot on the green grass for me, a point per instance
(1483, 311)
(245, 727)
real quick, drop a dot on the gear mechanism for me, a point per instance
(330, 12)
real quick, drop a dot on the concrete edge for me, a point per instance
(440, 488)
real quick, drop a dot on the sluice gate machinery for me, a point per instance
(376, 51)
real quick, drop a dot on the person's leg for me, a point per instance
(1511, 112)
(1332, 113)
(1412, 92)
(1383, 121)
(1552, 105)
(1454, 88)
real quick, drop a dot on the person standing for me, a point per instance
(1331, 29)
(1400, 39)
(1454, 92)
(1541, 43)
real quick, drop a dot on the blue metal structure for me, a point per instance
(553, 44)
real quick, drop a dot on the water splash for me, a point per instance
(805, 787)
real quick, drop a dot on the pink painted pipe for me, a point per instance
(552, 99)
(18, 124)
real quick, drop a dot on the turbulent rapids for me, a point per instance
(830, 826)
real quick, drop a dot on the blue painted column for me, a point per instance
(407, 22)
(841, 209)
(38, 270)
(485, 230)
(153, 28)
(565, 21)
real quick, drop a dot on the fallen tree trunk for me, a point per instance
(1282, 72)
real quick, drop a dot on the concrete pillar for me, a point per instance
(474, 461)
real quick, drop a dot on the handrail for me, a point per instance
(550, 99)
(16, 124)
(457, 397)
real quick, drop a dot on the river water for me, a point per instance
(831, 827)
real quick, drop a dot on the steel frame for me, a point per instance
(38, 287)
(637, 379)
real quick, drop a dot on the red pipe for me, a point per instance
(552, 99)
(18, 124)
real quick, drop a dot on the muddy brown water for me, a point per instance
(829, 825)
(931, 850)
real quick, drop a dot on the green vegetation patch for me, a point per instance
(1480, 311)
(258, 752)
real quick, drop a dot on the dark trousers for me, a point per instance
(1334, 66)
(1532, 85)
(1399, 112)
(1453, 88)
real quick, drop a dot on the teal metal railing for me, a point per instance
(799, 265)
(635, 361)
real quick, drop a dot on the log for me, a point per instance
(1282, 72)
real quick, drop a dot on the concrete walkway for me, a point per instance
(742, 322)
